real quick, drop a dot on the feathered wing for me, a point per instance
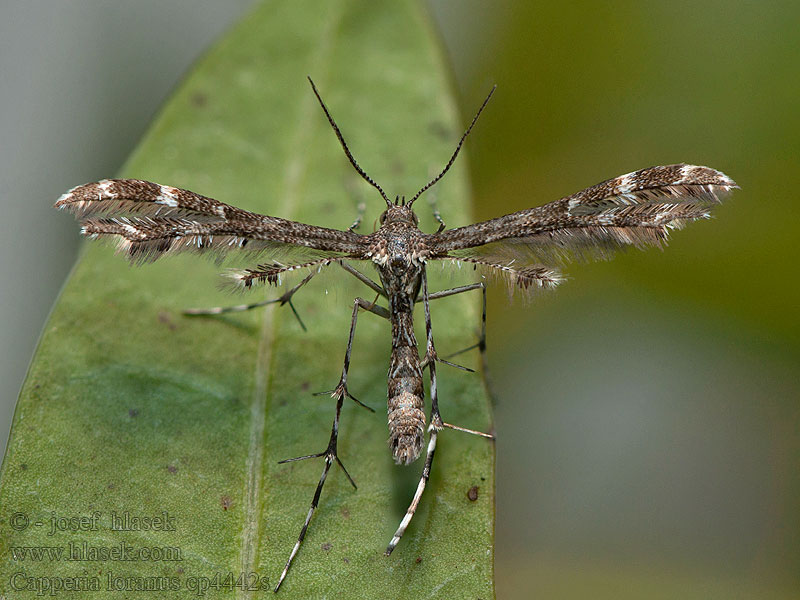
(148, 220)
(637, 209)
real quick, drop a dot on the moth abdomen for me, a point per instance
(406, 427)
(406, 394)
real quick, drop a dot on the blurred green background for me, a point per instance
(649, 410)
(649, 413)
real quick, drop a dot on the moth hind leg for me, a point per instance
(436, 422)
(412, 508)
(330, 455)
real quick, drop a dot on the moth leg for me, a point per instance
(286, 298)
(436, 214)
(330, 454)
(434, 205)
(434, 427)
(362, 208)
(412, 508)
(481, 343)
(431, 356)
(378, 289)
(341, 389)
(436, 424)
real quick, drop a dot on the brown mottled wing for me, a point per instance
(148, 220)
(637, 209)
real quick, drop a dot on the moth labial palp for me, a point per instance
(149, 220)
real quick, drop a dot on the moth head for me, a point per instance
(399, 213)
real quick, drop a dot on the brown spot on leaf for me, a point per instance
(327, 546)
(419, 560)
(172, 469)
(165, 318)
(133, 412)
(472, 493)
(439, 129)
(199, 99)
(226, 502)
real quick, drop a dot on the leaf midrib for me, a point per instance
(258, 407)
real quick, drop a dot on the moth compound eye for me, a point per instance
(383, 216)
(415, 218)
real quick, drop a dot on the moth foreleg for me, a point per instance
(436, 214)
(378, 289)
(362, 208)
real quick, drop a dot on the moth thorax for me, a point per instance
(406, 428)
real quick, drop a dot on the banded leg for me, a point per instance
(412, 508)
(361, 208)
(436, 423)
(330, 453)
(435, 208)
(433, 428)
(436, 214)
(286, 298)
(481, 343)
(330, 456)
(341, 389)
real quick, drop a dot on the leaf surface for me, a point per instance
(130, 408)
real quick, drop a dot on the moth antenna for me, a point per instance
(339, 135)
(458, 149)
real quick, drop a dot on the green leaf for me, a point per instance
(130, 407)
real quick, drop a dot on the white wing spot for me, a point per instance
(624, 186)
(130, 229)
(105, 187)
(168, 196)
(686, 171)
